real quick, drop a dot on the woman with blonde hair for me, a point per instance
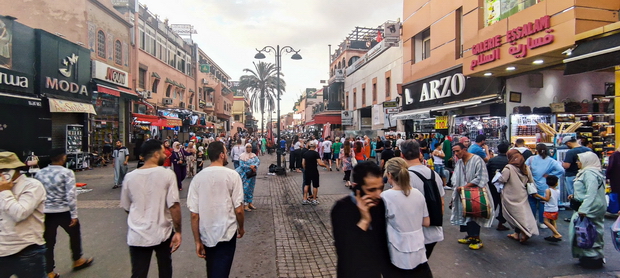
(406, 213)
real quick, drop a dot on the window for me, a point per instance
(236, 117)
(168, 90)
(422, 45)
(496, 10)
(354, 98)
(388, 87)
(459, 33)
(118, 53)
(142, 34)
(150, 43)
(162, 53)
(374, 92)
(101, 44)
(346, 101)
(142, 78)
(155, 84)
(363, 96)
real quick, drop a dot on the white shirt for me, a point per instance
(432, 233)
(398, 142)
(236, 151)
(552, 205)
(404, 216)
(21, 216)
(214, 194)
(148, 195)
(327, 146)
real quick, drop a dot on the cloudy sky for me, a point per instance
(229, 31)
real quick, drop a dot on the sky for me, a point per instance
(229, 31)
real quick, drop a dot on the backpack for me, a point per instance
(433, 198)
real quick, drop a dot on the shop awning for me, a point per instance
(168, 122)
(20, 100)
(66, 106)
(141, 118)
(323, 119)
(116, 91)
(464, 103)
(594, 55)
(413, 114)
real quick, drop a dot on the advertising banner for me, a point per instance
(347, 117)
(6, 42)
(441, 122)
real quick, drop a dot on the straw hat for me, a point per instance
(9, 160)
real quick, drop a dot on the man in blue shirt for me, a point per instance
(570, 161)
(480, 148)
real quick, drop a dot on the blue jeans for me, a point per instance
(569, 183)
(439, 169)
(29, 262)
(220, 258)
(538, 207)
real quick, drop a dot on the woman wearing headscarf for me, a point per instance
(248, 161)
(542, 166)
(179, 163)
(190, 156)
(590, 194)
(515, 205)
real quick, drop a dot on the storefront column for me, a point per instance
(616, 105)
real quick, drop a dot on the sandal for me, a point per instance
(512, 236)
(524, 239)
(252, 207)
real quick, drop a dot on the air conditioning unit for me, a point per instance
(147, 94)
(182, 104)
(191, 107)
(205, 81)
(167, 101)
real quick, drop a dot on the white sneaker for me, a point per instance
(315, 202)
(542, 226)
(447, 188)
(305, 202)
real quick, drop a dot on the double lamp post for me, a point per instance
(278, 52)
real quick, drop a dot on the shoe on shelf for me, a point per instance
(305, 202)
(542, 226)
(465, 240)
(475, 244)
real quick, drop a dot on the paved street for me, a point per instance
(285, 239)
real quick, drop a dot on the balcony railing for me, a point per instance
(338, 76)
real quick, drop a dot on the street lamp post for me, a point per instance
(278, 53)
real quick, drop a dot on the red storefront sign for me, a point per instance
(512, 36)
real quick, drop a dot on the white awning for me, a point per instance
(65, 106)
(424, 113)
(413, 114)
(464, 103)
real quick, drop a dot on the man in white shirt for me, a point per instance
(236, 151)
(327, 151)
(22, 201)
(215, 200)
(411, 153)
(151, 198)
(399, 140)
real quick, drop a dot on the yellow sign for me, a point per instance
(65, 106)
(441, 122)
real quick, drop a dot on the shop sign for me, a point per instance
(441, 122)
(15, 81)
(110, 74)
(512, 36)
(390, 104)
(446, 87)
(63, 67)
(346, 117)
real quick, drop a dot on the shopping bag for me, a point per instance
(496, 182)
(585, 232)
(615, 234)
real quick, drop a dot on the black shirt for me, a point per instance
(496, 163)
(379, 145)
(360, 253)
(386, 155)
(311, 161)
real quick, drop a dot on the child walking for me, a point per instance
(552, 194)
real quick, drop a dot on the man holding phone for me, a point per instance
(480, 148)
(22, 201)
(359, 226)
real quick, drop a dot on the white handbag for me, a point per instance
(530, 185)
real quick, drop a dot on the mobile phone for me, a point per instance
(358, 187)
(8, 175)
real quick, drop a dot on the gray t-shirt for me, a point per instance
(432, 233)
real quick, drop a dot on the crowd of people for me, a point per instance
(401, 225)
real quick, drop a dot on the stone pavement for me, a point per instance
(286, 239)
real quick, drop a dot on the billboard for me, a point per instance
(347, 117)
(6, 42)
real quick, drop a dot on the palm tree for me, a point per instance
(260, 86)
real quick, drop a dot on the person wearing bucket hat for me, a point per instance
(22, 247)
(61, 210)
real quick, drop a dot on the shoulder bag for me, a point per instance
(530, 185)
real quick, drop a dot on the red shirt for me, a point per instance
(168, 152)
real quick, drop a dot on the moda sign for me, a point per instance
(449, 86)
(488, 50)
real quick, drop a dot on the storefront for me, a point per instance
(63, 76)
(452, 104)
(113, 99)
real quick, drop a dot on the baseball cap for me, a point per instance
(568, 138)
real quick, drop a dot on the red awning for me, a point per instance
(145, 118)
(332, 119)
(107, 90)
(168, 122)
